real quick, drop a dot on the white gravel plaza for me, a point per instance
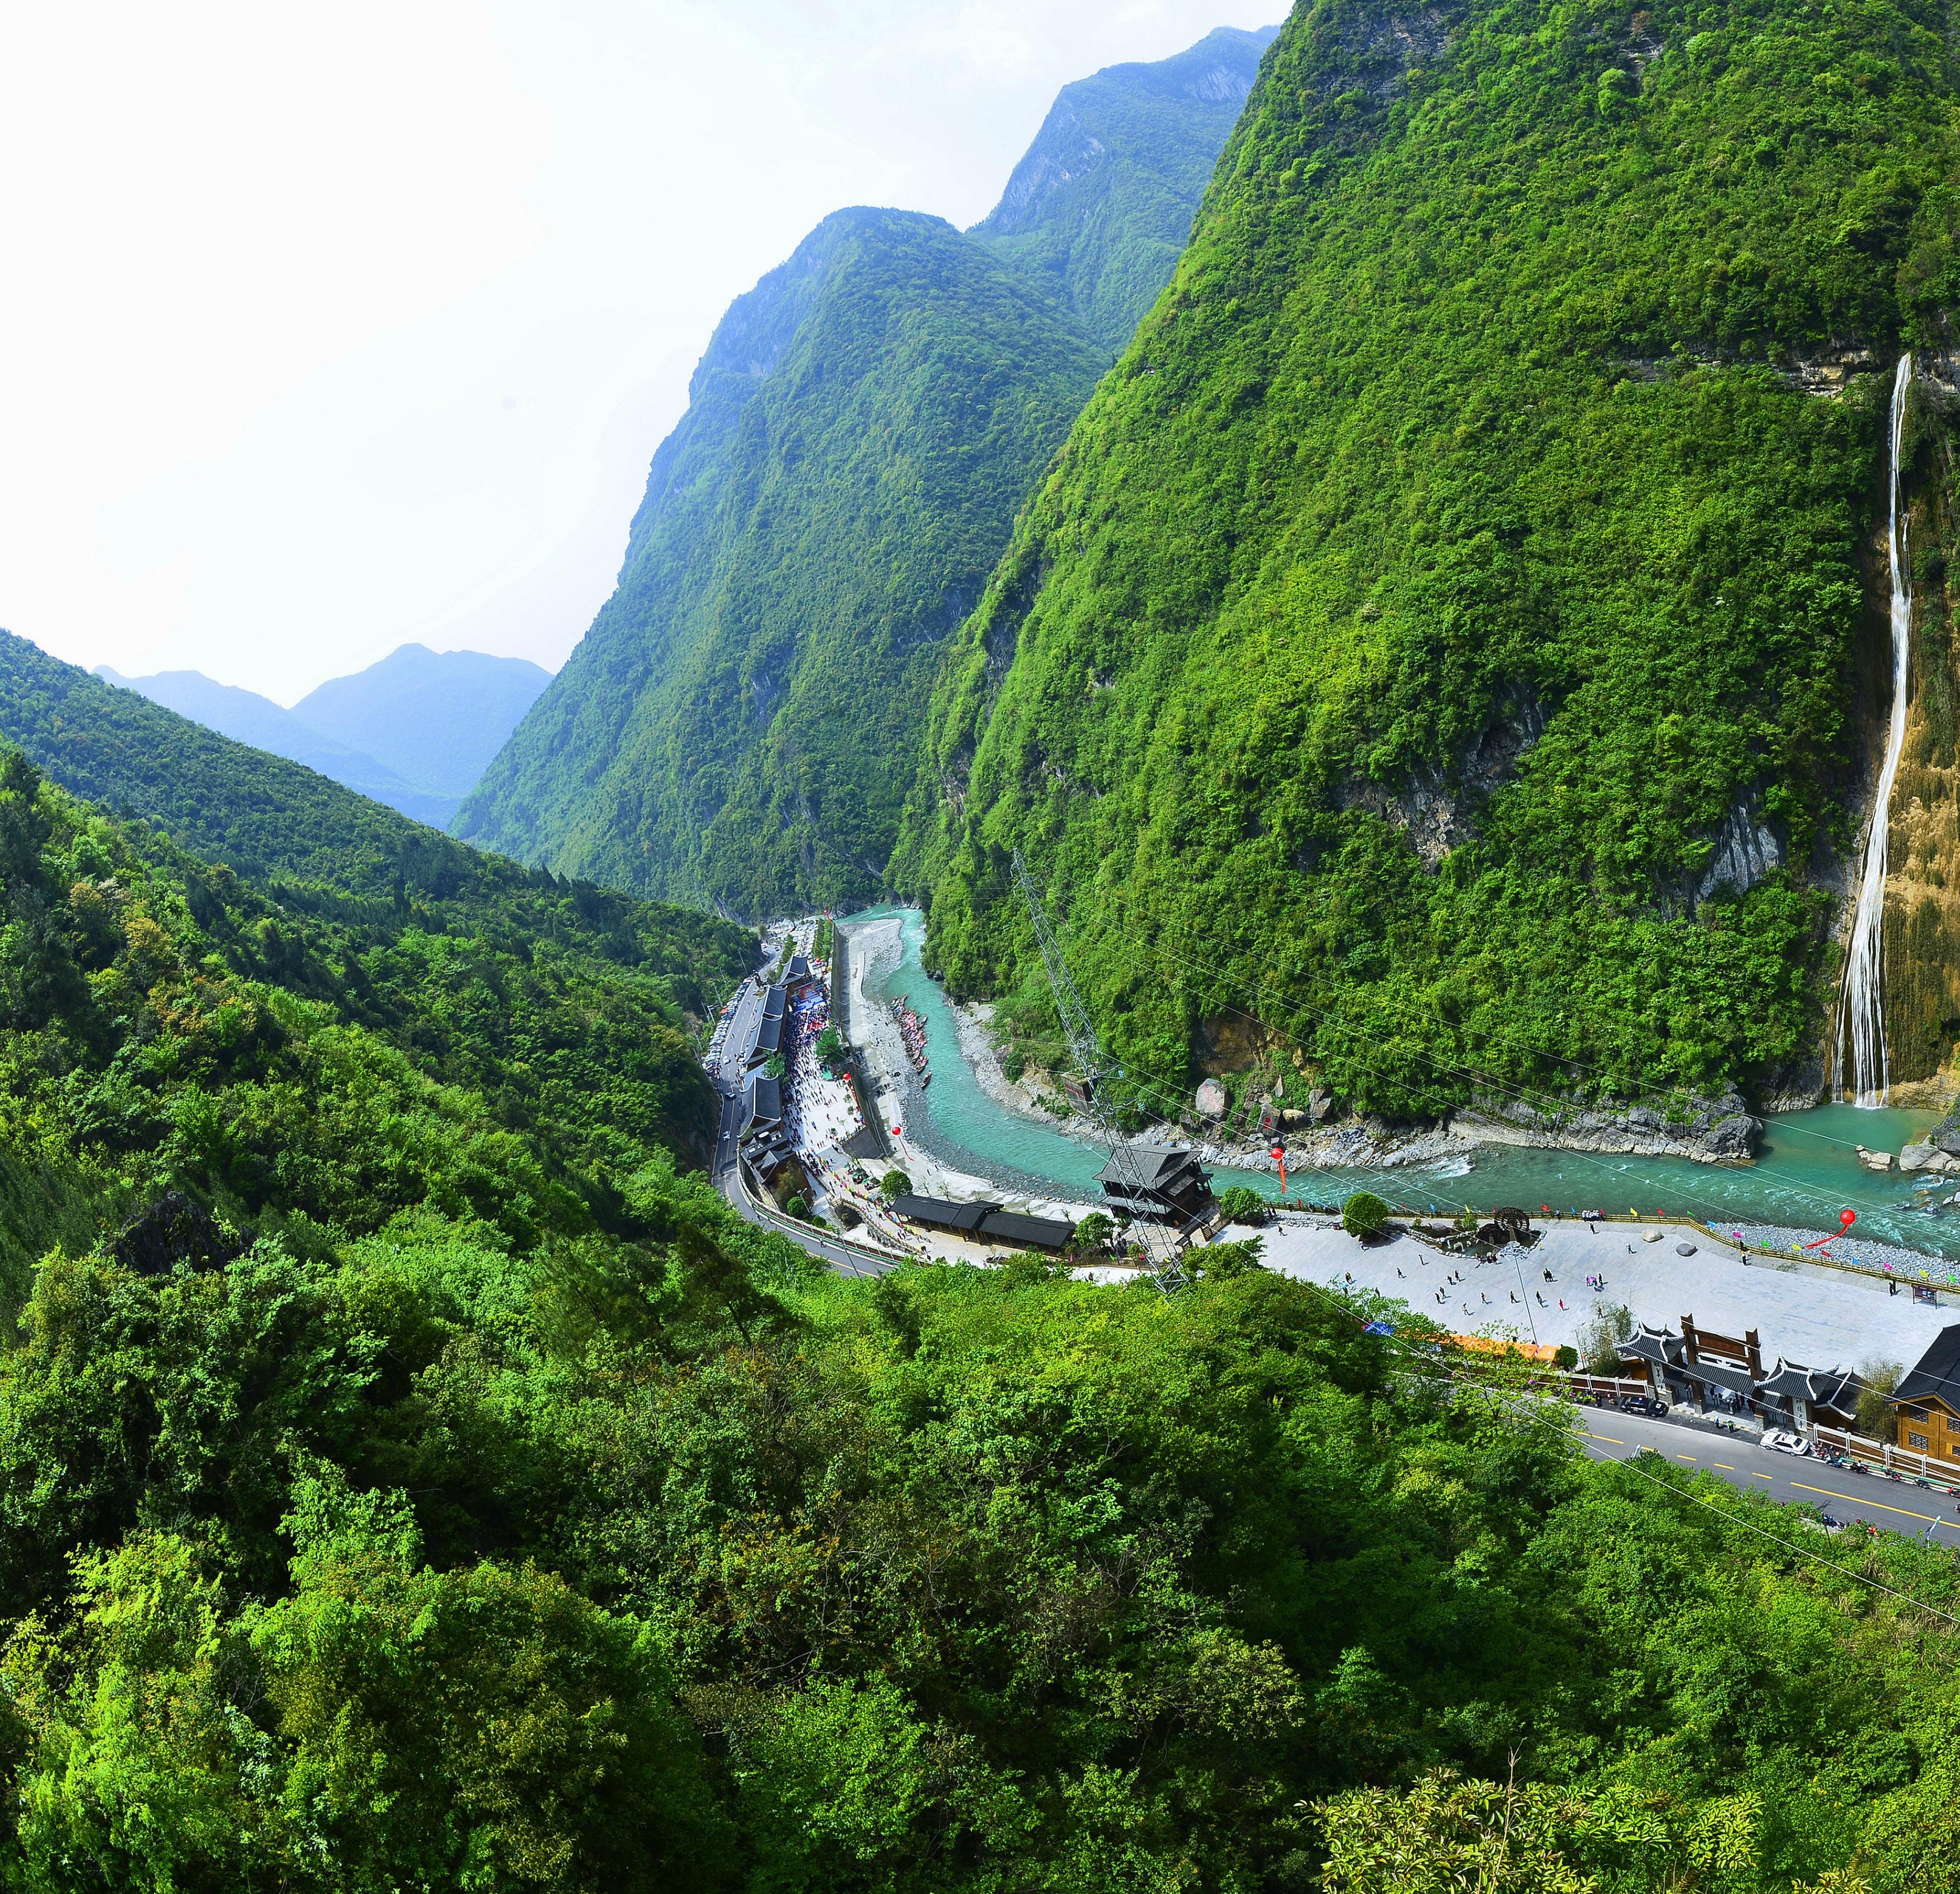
(1805, 1312)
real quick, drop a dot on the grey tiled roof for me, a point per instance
(942, 1212)
(1936, 1375)
(1161, 1166)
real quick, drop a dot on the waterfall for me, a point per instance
(1861, 1008)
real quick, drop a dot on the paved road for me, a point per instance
(1899, 1505)
(741, 1029)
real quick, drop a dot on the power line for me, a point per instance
(1415, 1008)
(1791, 1545)
(1434, 1367)
(1079, 1031)
(1805, 1192)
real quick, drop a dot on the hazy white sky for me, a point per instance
(327, 328)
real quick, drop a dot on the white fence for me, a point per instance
(1884, 1453)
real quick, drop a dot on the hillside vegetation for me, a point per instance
(443, 1563)
(246, 717)
(376, 1018)
(411, 1476)
(1467, 552)
(739, 726)
(1100, 207)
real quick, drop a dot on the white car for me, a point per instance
(1776, 1441)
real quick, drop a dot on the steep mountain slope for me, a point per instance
(738, 728)
(1099, 208)
(435, 718)
(246, 717)
(566, 1007)
(1448, 634)
(734, 726)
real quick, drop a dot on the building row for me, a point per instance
(1726, 1374)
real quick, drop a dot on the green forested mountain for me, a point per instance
(739, 725)
(1100, 206)
(1453, 630)
(253, 984)
(412, 1476)
(246, 717)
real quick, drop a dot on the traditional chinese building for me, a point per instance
(1174, 1190)
(1927, 1402)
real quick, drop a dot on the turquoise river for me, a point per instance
(1807, 1175)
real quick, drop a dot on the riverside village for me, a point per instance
(853, 1098)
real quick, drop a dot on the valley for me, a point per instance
(1186, 1119)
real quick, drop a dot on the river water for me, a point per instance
(1806, 1176)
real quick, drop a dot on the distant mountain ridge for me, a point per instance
(413, 730)
(739, 726)
(1101, 204)
(246, 717)
(435, 718)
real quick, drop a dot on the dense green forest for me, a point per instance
(412, 1476)
(1100, 207)
(1466, 552)
(350, 1016)
(438, 1562)
(739, 726)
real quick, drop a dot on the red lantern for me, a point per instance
(1279, 1154)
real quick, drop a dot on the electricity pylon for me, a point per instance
(1086, 1050)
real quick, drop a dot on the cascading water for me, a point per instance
(1861, 1006)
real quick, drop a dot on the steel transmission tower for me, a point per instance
(1087, 1050)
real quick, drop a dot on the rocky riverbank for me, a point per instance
(1716, 1131)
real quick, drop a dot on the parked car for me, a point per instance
(1777, 1441)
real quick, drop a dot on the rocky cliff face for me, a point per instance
(1518, 356)
(1922, 915)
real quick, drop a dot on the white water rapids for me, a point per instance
(1861, 1008)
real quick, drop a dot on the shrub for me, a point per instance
(1364, 1215)
(1875, 1410)
(1240, 1203)
(1095, 1231)
(798, 1208)
(894, 1183)
(1222, 1261)
(1601, 1335)
(1567, 1357)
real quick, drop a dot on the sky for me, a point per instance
(331, 328)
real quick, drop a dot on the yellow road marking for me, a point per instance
(1605, 1437)
(1723, 1464)
(1878, 1506)
(1689, 1457)
(1761, 1476)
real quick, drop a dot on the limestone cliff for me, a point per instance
(1922, 913)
